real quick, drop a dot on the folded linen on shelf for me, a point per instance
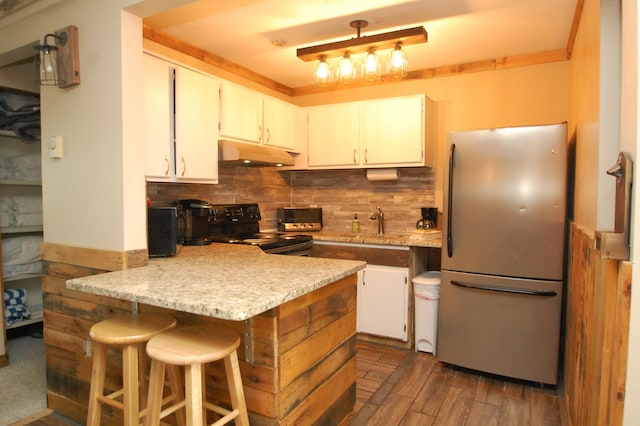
(15, 305)
(20, 112)
(13, 314)
(21, 250)
(21, 167)
(13, 294)
(21, 210)
(31, 268)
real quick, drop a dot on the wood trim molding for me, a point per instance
(577, 14)
(211, 59)
(107, 260)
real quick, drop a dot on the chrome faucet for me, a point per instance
(379, 216)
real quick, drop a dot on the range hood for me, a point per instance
(248, 154)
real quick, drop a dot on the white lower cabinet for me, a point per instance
(382, 305)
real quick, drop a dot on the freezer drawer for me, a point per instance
(500, 325)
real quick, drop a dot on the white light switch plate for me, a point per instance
(55, 147)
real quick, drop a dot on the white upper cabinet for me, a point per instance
(371, 134)
(393, 131)
(249, 116)
(158, 118)
(334, 135)
(281, 124)
(240, 113)
(181, 143)
(196, 126)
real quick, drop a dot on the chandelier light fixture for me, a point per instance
(59, 59)
(371, 68)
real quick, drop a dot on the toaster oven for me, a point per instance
(295, 219)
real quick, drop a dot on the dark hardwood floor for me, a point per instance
(401, 387)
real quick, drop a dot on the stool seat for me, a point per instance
(128, 329)
(130, 332)
(193, 347)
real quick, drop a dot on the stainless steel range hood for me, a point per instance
(248, 154)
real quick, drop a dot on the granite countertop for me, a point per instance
(226, 281)
(422, 238)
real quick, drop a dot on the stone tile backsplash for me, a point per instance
(340, 193)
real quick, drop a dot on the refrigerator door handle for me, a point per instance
(513, 290)
(452, 150)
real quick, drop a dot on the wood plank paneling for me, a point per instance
(597, 331)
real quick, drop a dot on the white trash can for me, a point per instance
(426, 289)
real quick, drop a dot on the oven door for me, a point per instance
(295, 249)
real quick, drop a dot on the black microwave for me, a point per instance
(165, 229)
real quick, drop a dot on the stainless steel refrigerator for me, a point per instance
(503, 251)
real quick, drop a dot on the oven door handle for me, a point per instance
(512, 290)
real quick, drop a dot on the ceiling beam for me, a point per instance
(356, 45)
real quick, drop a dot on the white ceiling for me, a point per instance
(459, 31)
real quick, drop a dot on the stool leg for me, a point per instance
(175, 384)
(154, 401)
(130, 385)
(193, 394)
(97, 384)
(232, 368)
(142, 375)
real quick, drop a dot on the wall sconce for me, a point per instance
(59, 58)
(396, 65)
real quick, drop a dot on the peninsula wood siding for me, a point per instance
(303, 352)
(597, 332)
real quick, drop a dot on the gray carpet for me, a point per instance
(23, 389)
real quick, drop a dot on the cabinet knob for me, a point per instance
(166, 160)
(184, 166)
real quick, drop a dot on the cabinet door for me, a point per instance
(158, 118)
(240, 113)
(393, 131)
(281, 124)
(334, 135)
(196, 126)
(383, 301)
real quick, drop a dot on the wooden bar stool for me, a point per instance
(131, 332)
(193, 347)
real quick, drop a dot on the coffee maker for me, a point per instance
(429, 218)
(197, 215)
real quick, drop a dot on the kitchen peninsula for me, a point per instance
(296, 316)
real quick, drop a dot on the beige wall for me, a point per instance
(94, 196)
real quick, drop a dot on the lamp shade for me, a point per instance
(397, 63)
(371, 68)
(323, 75)
(346, 69)
(48, 66)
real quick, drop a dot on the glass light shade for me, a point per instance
(397, 63)
(371, 69)
(346, 69)
(48, 66)
(322, 75)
